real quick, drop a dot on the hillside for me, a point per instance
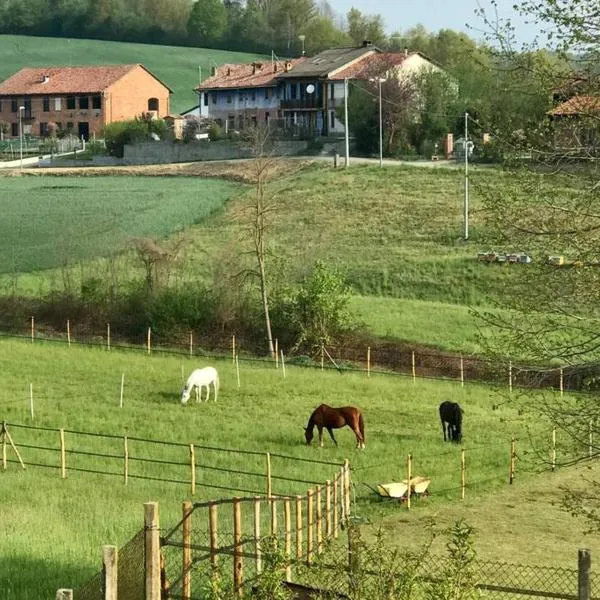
(176, 66)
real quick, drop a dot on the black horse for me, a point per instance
(451, 417)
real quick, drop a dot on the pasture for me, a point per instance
(174, 65)
(54, 528)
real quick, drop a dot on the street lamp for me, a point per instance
(380, 80)
(21, 109)
(302, 38)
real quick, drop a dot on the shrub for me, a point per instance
(137, 130)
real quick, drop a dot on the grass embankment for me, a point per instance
(174, 65)
(56, 527)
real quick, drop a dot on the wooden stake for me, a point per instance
(233, 349)
(268, 466)
(152, 551)
(122, 386)
(328, 509)
(126, 460)
(213, 527)
(322, 357)
(319, 520)
(342, 495)
(31, 400)
(282, 364)
(237, 370)
(276, 353)
(298, 527)
(309, 526)
(462, 371)
(414, 367)
(32, 329)
(149, 340)
(590, 439)
(561, 382)
(408, 478)
(368, 361)
(335, 506)
(462, 474)
(257, 550)
(192, 470)
(347, 487)
(63, 455)
(191, 344)
(273, 502)
(287, 518)
(186, 553)
(109, 563)
(554, 448)
(108, 336)
(69, 332)
(12, 445)
(3, 437)
(510, 377)
(512, 461)
(238, 561)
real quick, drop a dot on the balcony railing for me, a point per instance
(308, 102)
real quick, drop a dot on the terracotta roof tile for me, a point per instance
(577, 105)
(64, 80)
(242, 76)
(370, 65)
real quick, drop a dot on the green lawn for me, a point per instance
(56, 527)
(174, 65)
(48, 222)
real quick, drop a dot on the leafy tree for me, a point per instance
(207, 21)
(365, 27)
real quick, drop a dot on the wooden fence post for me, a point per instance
(238, 561)
(108, 336)
(319, 520)
(298, 527)
(561, 382)
(347, 488)
(584, 572)
(462, 371)
(553, 456)
(233, 349)
(510, 377)
(110, 564)
(32, 329)
(322, 357)
(328, 509)
(3, 436)
(125, 460)
(414, 368)
(408, 478)
(287, 518)
(462, 473)
(335, 506)
(512, 461)
(64, 594)
(69, 332)
(257, 550)
(368, 361)
(63, 455)
(191, 344)
(282, 364)
(237, 371)
(186, 553)
(590, 439)
(276, 353)
(192, 470)
(152, 551)
(309, 526)
(213, 528)
(31, 401)
(268, 471)
(273, 503)
(342, 494)
(149, 340)
(122, 386)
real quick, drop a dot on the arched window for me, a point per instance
(153, 104)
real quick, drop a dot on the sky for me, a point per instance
(435, 14)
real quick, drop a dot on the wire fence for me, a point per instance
(379, 358)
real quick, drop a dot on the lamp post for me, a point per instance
(21, 109)
(380, 81)
(302, 38)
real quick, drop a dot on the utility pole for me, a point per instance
(466, 204)
(346, 123)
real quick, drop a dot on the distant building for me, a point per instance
(302, 92)
(80, 100)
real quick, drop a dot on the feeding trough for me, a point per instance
(398, 490)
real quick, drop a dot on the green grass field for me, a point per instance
(176, 66)
(48, 222)
(56, 527)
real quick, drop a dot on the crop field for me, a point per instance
(56, 527)
(48, 222)
(176, 66)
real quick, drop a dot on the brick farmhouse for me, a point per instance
(80, 100)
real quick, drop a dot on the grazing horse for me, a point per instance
(198, 379)
(334, 418)
(451, 417)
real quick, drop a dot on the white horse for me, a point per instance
(198, 379)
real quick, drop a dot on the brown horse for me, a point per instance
(334, 418)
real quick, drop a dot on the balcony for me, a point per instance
(307, 103)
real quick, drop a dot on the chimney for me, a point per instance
(228, 71)
(367, 43)
(275, 67)
(213, 71)
(288, 65)
(45, 78)
(253, 68)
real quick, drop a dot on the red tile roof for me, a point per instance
(242, 76)
(65, 80)
(577, 105)
(370, 65)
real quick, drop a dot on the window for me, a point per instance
(153, 104)
(253, 96)
(14, 129)
(241, 122)
(332, 125)
(70, 126)
(214, 98)
(43, 129)
(241, 95)
(205, 96)
(27, 104)
(70, 102)
(45, 104)
(57, 103)
(229, 98)
(96, 102)
(333, 91)
(230, 123)
(293, 91)
(84, 102)
(14, 105)
(267, 93)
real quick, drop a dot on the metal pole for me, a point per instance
(466, 206)
(380, 126)
(21, 108)
(346, 123)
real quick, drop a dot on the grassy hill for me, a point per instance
(176, 66)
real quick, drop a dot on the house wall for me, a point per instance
(414, 64)
(128, 97)
(225, 103)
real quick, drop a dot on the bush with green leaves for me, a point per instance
(133, 131)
